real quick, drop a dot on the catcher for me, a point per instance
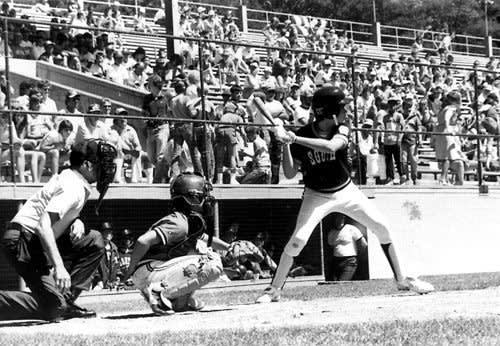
(174, 257)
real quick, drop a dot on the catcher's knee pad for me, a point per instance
(196, 275)
(294, 246)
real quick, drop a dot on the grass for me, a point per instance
(481, 331)
(358, 289)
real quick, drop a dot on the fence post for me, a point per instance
(205, 156)
(377, 34)
(478, 141)
(488, 45)
(356, 123)
(172, 25)
(7, 101)
(243, 17)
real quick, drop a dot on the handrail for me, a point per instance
(469, 48)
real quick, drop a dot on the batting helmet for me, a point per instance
(327, 102)
(188, 192)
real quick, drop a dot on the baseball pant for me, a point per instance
(177, 277)
(45, 301)
(349, 201)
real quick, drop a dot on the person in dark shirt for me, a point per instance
(320, 151)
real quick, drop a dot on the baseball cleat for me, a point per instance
(271, 294)
(415, 285)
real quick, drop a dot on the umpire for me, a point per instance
(48, 245)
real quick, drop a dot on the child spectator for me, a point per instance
(57, 146)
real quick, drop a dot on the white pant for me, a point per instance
(349, 201)
(177, 277)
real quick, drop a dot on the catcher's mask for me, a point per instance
(190, 194)
(102, 155)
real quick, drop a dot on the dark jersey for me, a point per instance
(324, 172)
(173, 231)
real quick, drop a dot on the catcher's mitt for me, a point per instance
(242, 250)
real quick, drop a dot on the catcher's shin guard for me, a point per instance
(195, 277)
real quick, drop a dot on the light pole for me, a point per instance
(486, 3)
(374, 11)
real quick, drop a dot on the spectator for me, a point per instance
(48, 53)
(203, 133)
(19, 155)
(137, 78)
(225, 147)
(258, 171)
(117, 72)
(277, 112)
(157, 132)
(92, 127)
(447, 119)
(132, 149)
(99, 68)
(140, 22)
(42, 6)
(107, 108)
(72, 102)
(34, 157)
(409, 142)
(38, 125)
(125, 248)
(57, 146)
(47, 105)
(107, 272)
(348, 245)
(392, 121)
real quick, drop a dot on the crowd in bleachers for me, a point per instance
(405, 93)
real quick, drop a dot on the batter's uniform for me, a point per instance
(24, 251)
(328, 189)
(179, 264)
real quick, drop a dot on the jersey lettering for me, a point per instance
(317, 157)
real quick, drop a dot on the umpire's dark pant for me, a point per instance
(45, 301)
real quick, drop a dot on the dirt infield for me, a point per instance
(450, 304)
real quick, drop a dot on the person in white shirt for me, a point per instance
(47, 229)
(48, 104)
(92, 128)
(348, 244)
(260, 166)
(117, 72)
(57, 145)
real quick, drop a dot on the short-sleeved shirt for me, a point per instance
(413, 123)
(173, 231)
(391, 122)
(67, 205)
(323, 172)
(344, 241)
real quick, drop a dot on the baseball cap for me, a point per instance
(235, 88)
(368, 123)
(121, 110)
(106, 102)
(72, 94)
(94, 108)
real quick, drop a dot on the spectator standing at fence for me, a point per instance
(447, 119)
(348, 245)
(410, 141)
(157, 132)
(393, 121)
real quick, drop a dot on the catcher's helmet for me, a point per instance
(327, 102)
(189, 190)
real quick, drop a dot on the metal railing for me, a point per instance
(202, 42)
